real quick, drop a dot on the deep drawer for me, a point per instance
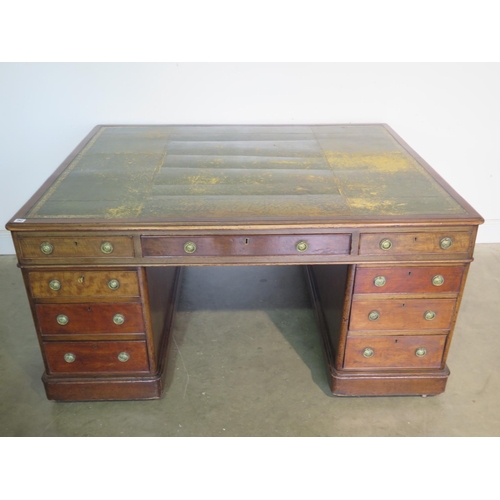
(394, 314)
(414, 243)
(90, 318)
(49, 247)
(408, 279)
(258, 245)
(58, 283)
(96, 357)
(424, 351)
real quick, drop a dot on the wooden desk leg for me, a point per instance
(331, 290)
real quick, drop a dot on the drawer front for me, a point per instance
(94, 357)
(409, 314)
(89, 246)
(90, 318)
(414, 243)
(408, 279)
(54, 284)
(424, 351)
(258, 245)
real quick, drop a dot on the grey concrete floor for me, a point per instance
(246, 360)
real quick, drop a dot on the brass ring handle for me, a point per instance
(113, 284)
(379, 281)
(107, 247)
(55, 285)
(386, 244)
(373, 315)
(420, 352)
(368, 352)
(301, 246)
(46, 248)
(438, 280)
(190, 247)
(429, 315)
(445, 242)
(123, 357)
(62, 319)
(69, 357)
(118, 319)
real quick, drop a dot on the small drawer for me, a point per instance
(256, 245)
(96, 357)
(414, 243)
(408, 279)
(409, 314)
(48, 247)
(58, 283)
(90, 318)
(394, 352)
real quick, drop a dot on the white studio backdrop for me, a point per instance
(448, 112)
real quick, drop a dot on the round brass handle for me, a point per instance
(69, 357)
(368, 352)
(429, 315)
(113, 284)
(445, 243)
(123, 357)
(62, 319)
(107, 247)
(386, 244)
(420, 352)
(118, 319)
(301, 246)
(379, 281)
(55, 285)
(189, 247)
(437, 280)
(373, 315)
(46, 248)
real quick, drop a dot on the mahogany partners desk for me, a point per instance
(385, 240)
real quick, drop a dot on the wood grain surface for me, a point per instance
(394, 352)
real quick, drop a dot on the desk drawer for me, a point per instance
(394, 352)
(414, 243)
(48, 247)
(90, 318)
(409, 314)
(257, 245)
(58, 283)
(408, 279)
(95, 357)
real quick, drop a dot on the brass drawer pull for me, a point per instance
(107, 247)
(113, 284)
(429, 315)
(189, 247)
(69, 357)
(118, 319)
(62, 319)
(368, 352)
(386, 244)
(438, 280)
(46, 248)
(379, 281)
(55, 285)
(123, 357)
(373, 315)
(420, 352)
(301, 246)
(445, 243)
